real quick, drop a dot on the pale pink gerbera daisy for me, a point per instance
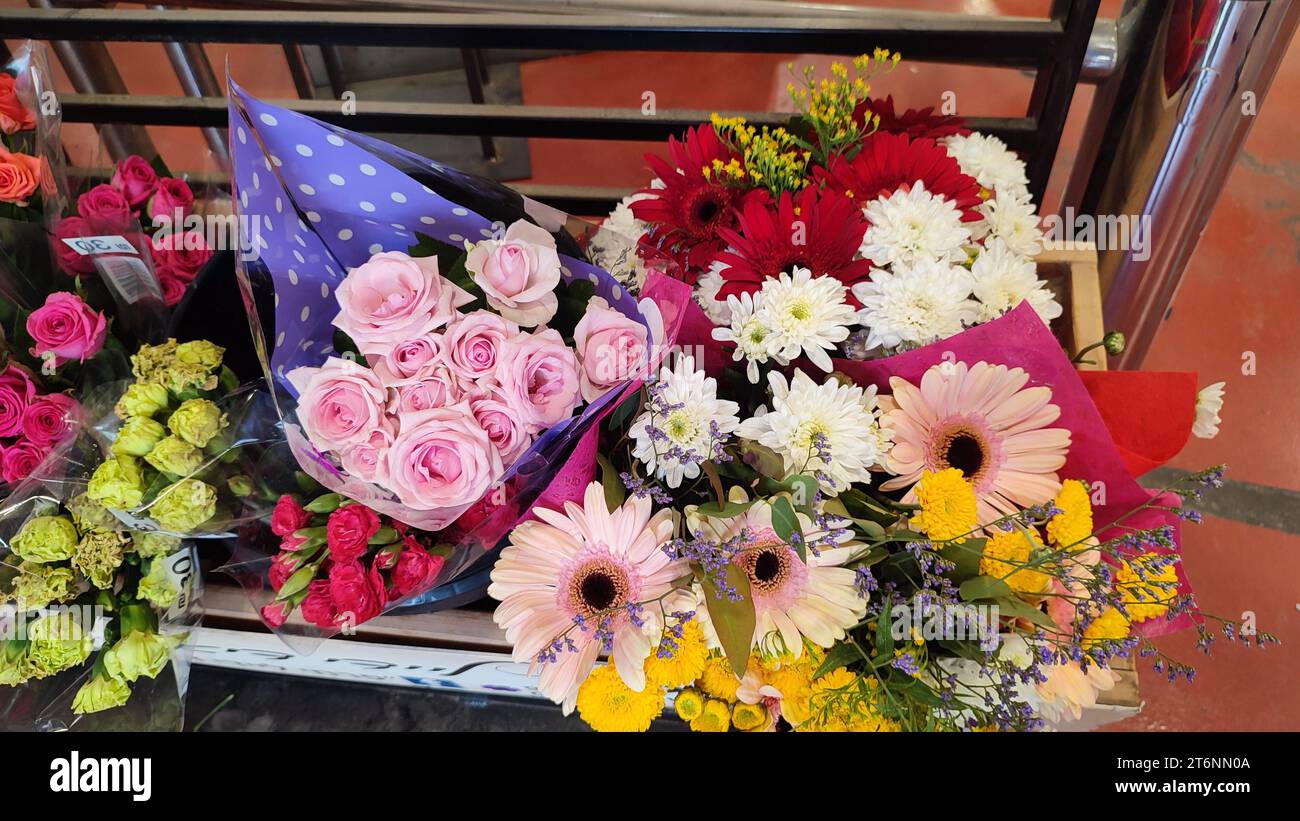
(983, 421)
(569, 585)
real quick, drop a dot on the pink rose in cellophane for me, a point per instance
(394, 298)
(539, 375)
(518, 273)
(340, 403)
(441, 459)
(611, 349)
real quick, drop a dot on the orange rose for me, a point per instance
(19, 176)
(14, 116)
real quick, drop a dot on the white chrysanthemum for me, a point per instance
(911, 225)
(1003, 279)
(613, 246)
(1209, 401)
(830, 430)
(749, 330)
(807, 315)
(706, 293)
(990, 162)
(682, 423)
(916, 304)
(1012, 220)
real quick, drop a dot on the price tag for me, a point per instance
(130, 277)
(182, 572)
(87, 246)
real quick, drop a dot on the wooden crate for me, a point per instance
(462, 649)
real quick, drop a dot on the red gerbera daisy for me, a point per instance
(685, 214)
(912, 122)
(888, 162)
(769, 242)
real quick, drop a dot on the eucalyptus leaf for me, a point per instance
(610, 482)
(985, 587)
(734, 621)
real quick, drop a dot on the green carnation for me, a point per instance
(197, 421)
(117, 483)
(87, 513)
(99, 555)
(139, 654)
(142, 399)
(57, 643)
(100, 693)
(149, 544)
(156, 588)
(185, 505)
(15, 668)
(200, 352)
(138, 436)
(46, 539)
(180, 377)
(175, 456)
(38, 585)
(149, 362)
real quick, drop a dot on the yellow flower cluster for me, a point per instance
(948, 509)
(829, 104)
(1005, 555)
(773, 157)
(1109, 626)
(1146, 591)
(1073, 525)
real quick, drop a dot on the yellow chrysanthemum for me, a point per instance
(610, 706)
(1006, 552)
(1109, 626)
(749, 717)
(689, 704)
(685, 665)
(948, 508)
(1145, 591)
(839, 706)
(719, 680)
(1073, 524)
(794, 682)
(716, 717)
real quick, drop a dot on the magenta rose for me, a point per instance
(611, 349)
(340, 403)
(70, 262)
(318, 607)
(499, 420)
(441, 459)
(289, 516)
(474, 344)
(349, 530)
(48, 419)
(173, 287)
(407, 359)
(358, 595)
(518, 273)
(367, 460)
(136, 179)
(416, 569)
(105, 210)
(540, 377)
(394, 298)
(436, 390)
(66, 328)
(20, 459)
(16, 392)
(172, 195)
(182, 254)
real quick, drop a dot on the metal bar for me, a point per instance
(334, 70)
(300, 71)
(459, 118)
(1049, 101)
(730, 8)
(962, 38)
(475, 77)
(194, 72)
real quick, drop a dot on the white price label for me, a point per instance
(88, 246)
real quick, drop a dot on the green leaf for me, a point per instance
(884, 631)
(841, 655)
(785, 521)
(734, 621)
(610, 482)
(965, 558)
(160, 168)
(728, 511)
(385, 535)
(624, 411)
(1011, 606)
(985, 587)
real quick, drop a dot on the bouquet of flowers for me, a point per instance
(438, 369)
(923, 520)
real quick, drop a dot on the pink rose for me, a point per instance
(518, 274)
(540, 377)
(349, 530)
(474, 344)
(441, 459)
(66, 328)
(20, 459)
(172, 195)
(367, 460)
(173, 287)
(289, 516)
(358, 596)
(16, 392)
(611, 349)
(436, 390)
(501, 423)
(339, 404)
(70, 261)
(105, 210)
(276, 613)
(136, 179)
(318, 608)
(182, 254)
(49, 418)
(409, 358)
(394, 298)
(416, 569)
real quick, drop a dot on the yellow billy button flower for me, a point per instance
(749, 717)
(1073, 525)
(1146, 588)
(607, 704)
(1005, 555)
(715, 718)
(682, 665)
(948, 508)
(689, 704)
